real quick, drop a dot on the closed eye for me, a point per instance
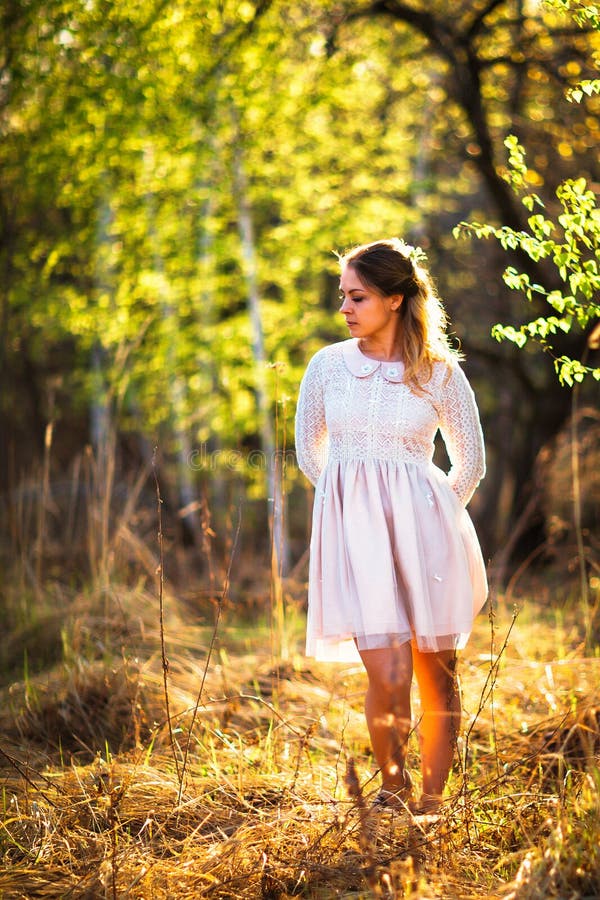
(354, 299)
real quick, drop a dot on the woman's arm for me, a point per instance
(461, 430)
(311, 428)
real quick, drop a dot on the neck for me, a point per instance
(385, 349)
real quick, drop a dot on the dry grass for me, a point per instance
(92, 804)
(260, 785)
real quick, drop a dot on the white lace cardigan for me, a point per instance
(352, 408)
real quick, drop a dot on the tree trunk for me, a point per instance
(186, 493)
(272, 456)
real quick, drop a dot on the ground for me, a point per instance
(262, 786)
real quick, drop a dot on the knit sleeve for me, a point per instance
(311, 429)
(461, 431)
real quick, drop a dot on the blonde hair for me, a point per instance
(393, 267)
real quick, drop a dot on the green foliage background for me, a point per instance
(135, 135)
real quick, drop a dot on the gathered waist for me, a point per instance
(403, 454)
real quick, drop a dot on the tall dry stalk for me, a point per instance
(221, 602)
(278, 550)
(70, 518)
(43, 500)
(576, 484)
(100, 473)
(486, 694)
(102, 465)
(161, 616)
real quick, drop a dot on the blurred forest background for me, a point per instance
(175, 180)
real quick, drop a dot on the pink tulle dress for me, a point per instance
(394, 556)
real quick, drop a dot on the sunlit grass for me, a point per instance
(92, 805)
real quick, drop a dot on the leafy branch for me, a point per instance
(572, 244)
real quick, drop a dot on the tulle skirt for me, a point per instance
(394, 558)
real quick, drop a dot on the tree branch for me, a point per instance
(437, 31)
(478, 21)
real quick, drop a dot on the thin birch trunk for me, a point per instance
(278, 524)
(102, 429)
(177, 387)
(205, 317)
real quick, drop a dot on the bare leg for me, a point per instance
(440, 720)
(387, 710)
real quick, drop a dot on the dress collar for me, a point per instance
(362, 366)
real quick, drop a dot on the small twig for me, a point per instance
(341, 751)
(489, 684)
(510, 587)
(161, 608)
(303, 746)
(230, 698)
(18, 766)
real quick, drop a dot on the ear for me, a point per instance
(397, 300)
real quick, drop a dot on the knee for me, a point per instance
(391, 690)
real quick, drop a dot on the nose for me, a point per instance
(346, 306)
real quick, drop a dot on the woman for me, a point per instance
(396, 571)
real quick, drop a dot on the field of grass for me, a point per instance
(262, 785)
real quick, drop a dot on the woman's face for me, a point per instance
(368, 313)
